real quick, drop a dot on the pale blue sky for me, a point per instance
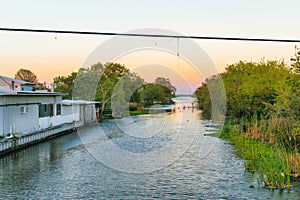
(256, 18)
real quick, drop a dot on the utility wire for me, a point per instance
(149, 35)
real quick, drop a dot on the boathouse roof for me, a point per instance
(5, 78)
(28, 93)
(77, 102)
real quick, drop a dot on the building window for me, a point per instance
(42, 110)
(45, 110)
(58, 109)
(50, 110)
(24, 109)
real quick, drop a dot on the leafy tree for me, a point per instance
(64, 84)
(99, 82)
(212, 98)
(118, 100)
(131, 84)
(86, 82)
(252, 89)
(202, 94)
(41, 86)
(168, 87)
(26, 75)
(152, 93)
(263, 102)
(112, 73)
(296, 61)
(113, 83)
(288, 101)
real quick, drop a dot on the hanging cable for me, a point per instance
(178, 46)
(178, 58)
(149, 35)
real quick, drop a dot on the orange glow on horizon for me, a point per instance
(150, 64)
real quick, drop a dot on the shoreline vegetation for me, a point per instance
(138, 112)
(262, 118)
(262, 103)
(116, 87)
(276, 163)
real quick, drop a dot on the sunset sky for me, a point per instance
(51, 55)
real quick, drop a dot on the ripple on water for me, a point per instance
(63, 169)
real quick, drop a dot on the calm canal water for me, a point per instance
(65, 168)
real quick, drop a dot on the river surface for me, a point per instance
(169, 159)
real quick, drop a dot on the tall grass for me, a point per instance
(269, 148)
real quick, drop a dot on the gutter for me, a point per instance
(19, 104)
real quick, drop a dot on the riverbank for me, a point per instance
(138, 112)
(63, 168)
(274, 166)
(262, 116)
(108, 114)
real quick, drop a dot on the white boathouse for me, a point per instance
(26, 112)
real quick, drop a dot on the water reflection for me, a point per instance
(62, 168)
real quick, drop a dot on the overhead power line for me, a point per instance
(149, 35)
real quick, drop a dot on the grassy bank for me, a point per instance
(262, 114)
(138, 112)
(266, 154)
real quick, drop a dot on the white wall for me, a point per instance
(44, 122)
(71, 110)
(90, 113)
(1, 121)
(47, 122)
(13, 121)
(16, 122)
(80, 111)
(69, 114)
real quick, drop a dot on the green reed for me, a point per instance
(269, 148)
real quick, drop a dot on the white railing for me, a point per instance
(25, 139)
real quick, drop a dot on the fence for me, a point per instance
(13, 143)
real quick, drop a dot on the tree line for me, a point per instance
(256, 90)
(262, 117)
(113, 82)
(106, 83)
